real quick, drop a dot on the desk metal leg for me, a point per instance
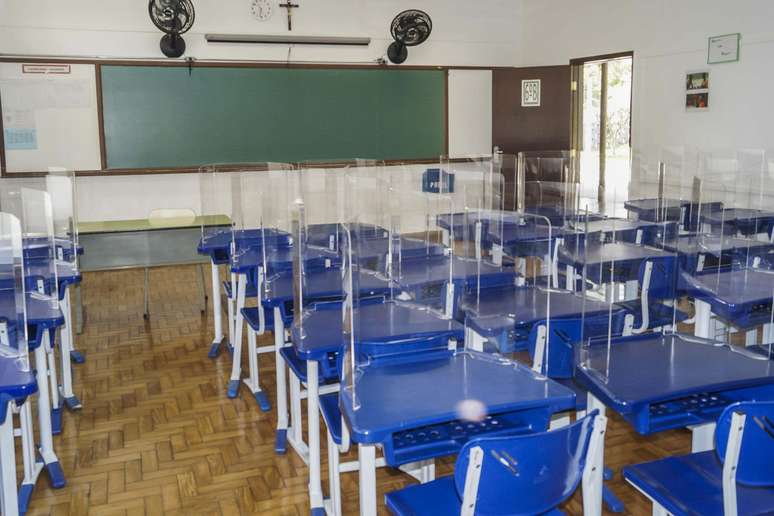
(65, 352)
(702, 437)
(313, 420)
(146, 310)
(236, 358)
(54, 469)
(49, 336)
(280, 443)
(230, 303)
(9, 501)
(631, 290)
(202, 288)
(367, 474)
(217, 314)
(593, 474)
(253, 380)
(703, 319)
(78, 318)
(32, 467)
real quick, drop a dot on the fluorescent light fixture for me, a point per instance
(286, 40)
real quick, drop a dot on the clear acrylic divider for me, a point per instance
(216, 205)
(13, 321)
(60, 184)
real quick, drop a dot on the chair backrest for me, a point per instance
(756, 457)
(527, 474)
(663, 277)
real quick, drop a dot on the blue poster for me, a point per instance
(21, 139)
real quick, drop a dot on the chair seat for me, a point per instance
(251, 291)
(294, 362)
(252, 318)
(436, 498)
(693, 485)
(329, 406)
(658, 314)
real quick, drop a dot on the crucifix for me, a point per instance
(289, 5)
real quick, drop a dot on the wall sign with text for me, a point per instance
(723, 49)
(530, 93)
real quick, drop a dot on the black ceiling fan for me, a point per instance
(173, 18)
(409, 29)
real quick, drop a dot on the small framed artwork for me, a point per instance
(697, 90)
(723, 49)
(530, 93)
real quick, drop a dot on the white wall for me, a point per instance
(463, 33)
(669, 38)
(486, 34)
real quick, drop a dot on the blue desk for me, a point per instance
(743, 221)
(15, 387)
(506, 315)
(608, 263)
(660, 210)
(386, 329)
(425, 280)
(622, 230)
(724, 251)
(402, 407)
(661, 382)
(741, 297)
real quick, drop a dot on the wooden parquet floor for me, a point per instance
(157, 434)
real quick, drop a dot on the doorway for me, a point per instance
(601, 130)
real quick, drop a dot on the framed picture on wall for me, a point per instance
(723, 49)
(530, 93)
(697, 90)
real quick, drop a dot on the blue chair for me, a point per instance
(736, 478)
(527, 474)
(658, 283)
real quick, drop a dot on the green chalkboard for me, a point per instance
(158, 116)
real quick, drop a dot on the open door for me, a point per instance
(601, 128)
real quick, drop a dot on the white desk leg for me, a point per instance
(703, 319)
(751, 337)
(32, 467)
(631, 290)
(570, 278)
(9, 501)
(55, 473)
(313, 421)
(367, 474)
(230, 309)
(217, 315)
(236, 357)
(280, 443)
(593, 474)
(65, 351)
(56, 402)
(702, 437)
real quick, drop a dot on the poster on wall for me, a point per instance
(723, 49)
(530, 93)
(697, 91)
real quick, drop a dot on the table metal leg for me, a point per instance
(202, 288)
(280, 443)
(230, 303)
(367, 477)
(78, 316)
(236, 357)
(56, 402)
(702, 437)
(593, 474)
(54, 469)
(703, 319)
(9, 501)
(253, 380)
(217, 314)
(313, 422)
(146, 295)
(32, 467)
(65, 352)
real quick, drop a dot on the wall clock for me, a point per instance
(261, 9)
